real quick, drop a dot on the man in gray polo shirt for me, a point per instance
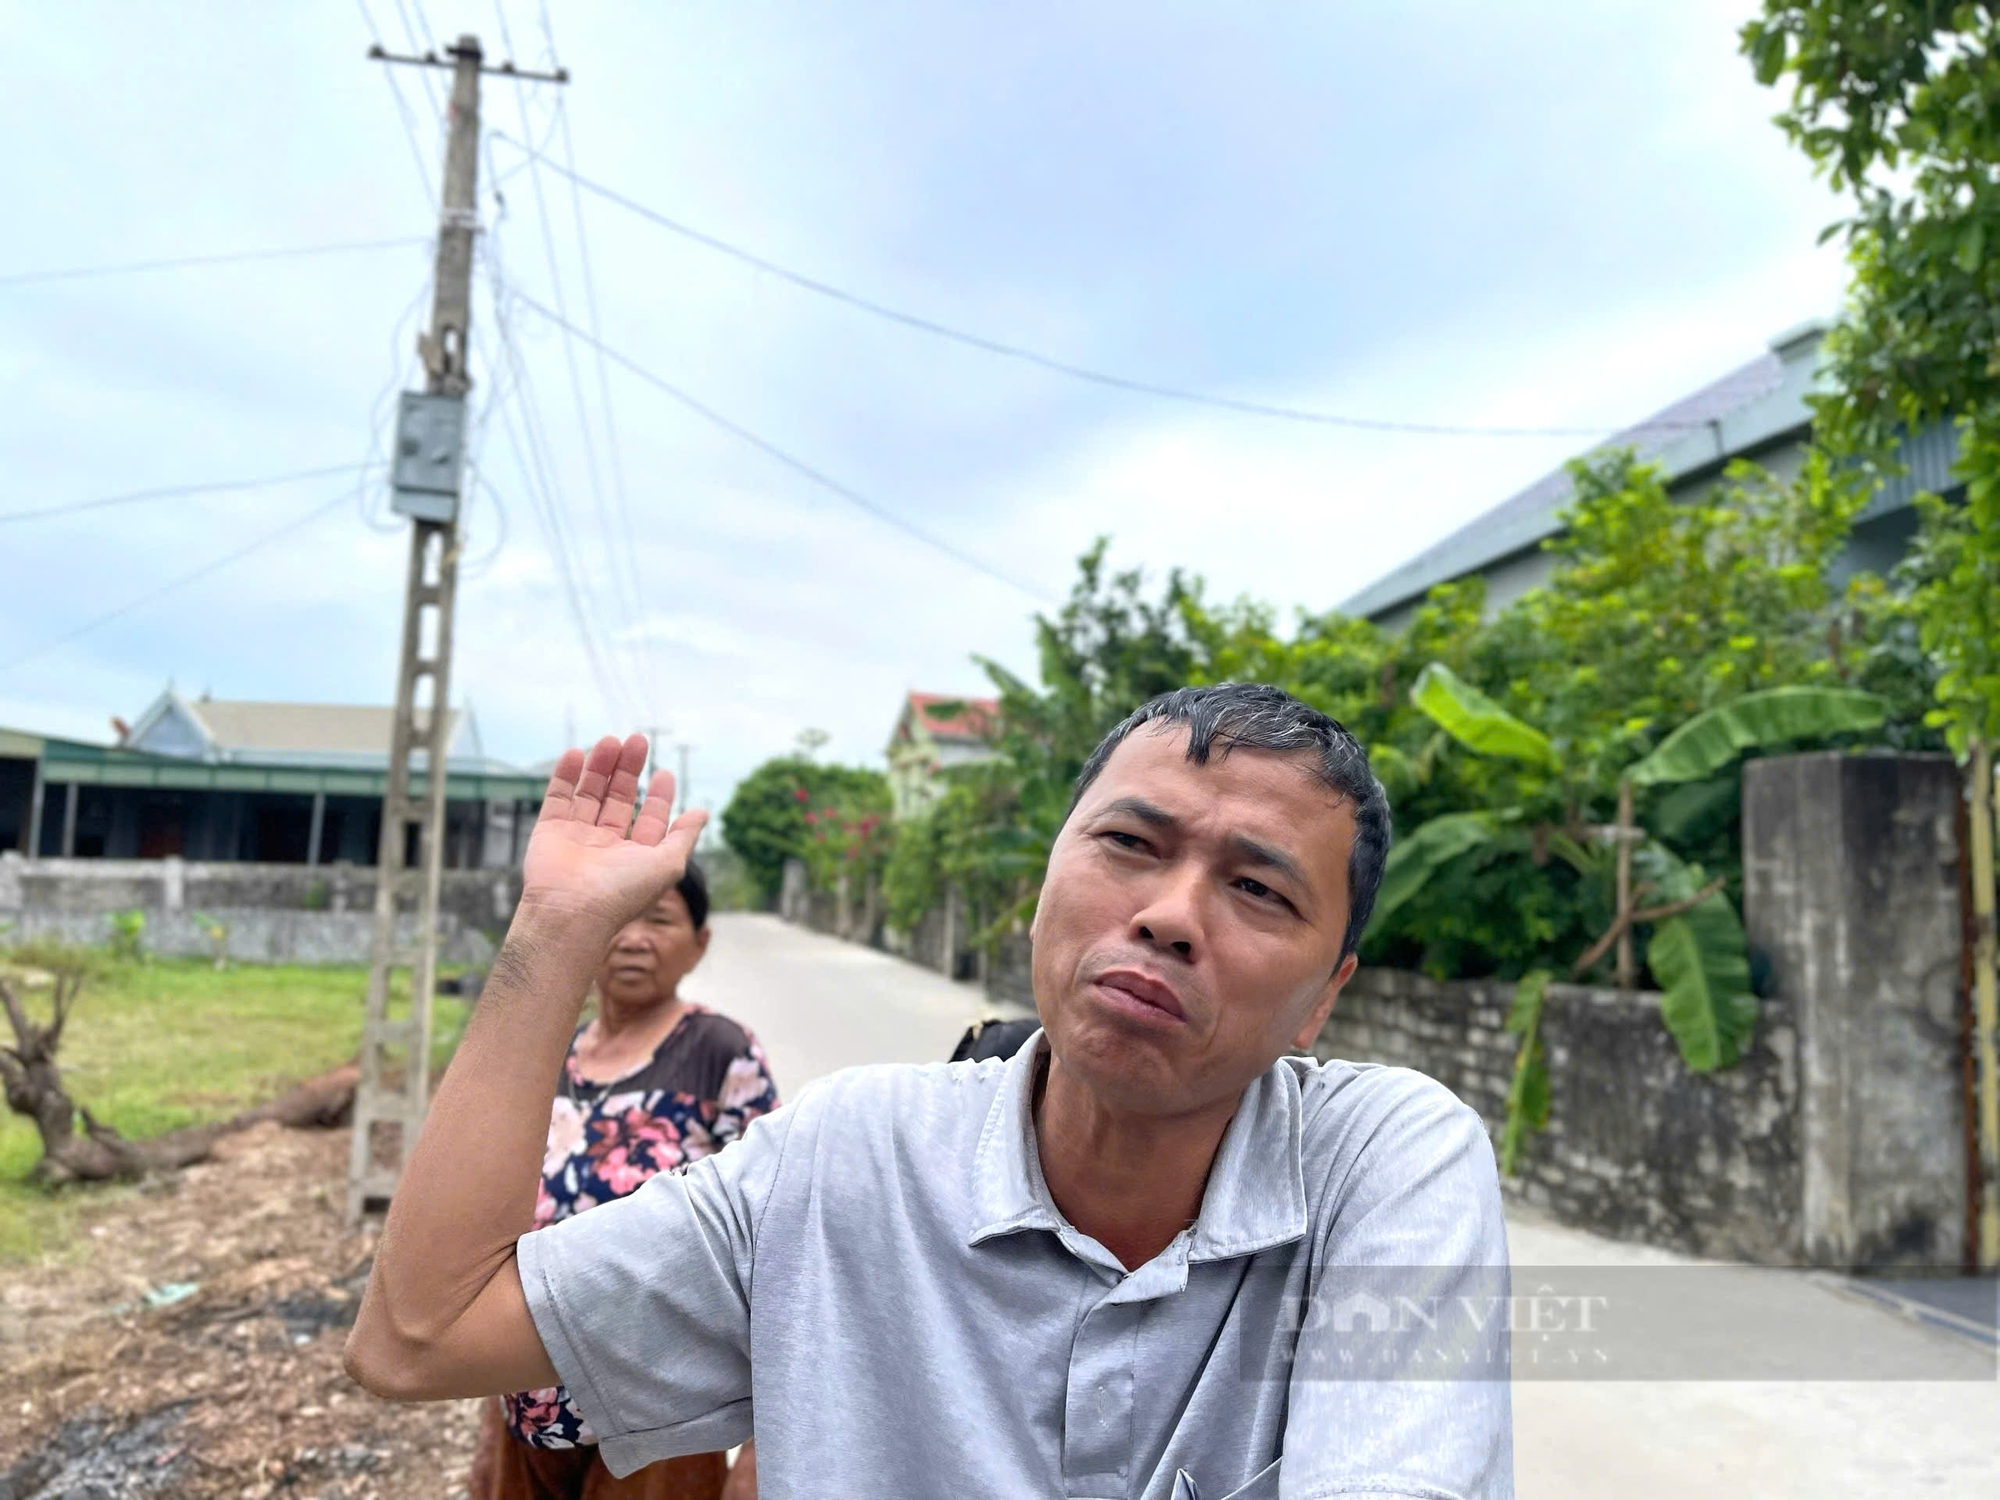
(1145, 1257)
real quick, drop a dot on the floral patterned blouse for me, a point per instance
(705, 1082)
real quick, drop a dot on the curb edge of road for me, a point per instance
(1911, 1309)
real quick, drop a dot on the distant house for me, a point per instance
(934, 732)
(1758, 412)
(279, 783)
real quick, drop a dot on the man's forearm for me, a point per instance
(468, 1190)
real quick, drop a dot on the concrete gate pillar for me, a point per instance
(1851, 893)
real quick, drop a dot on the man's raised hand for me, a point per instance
(589, 856)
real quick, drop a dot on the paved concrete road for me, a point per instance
(1759, 1440)
(818, 1005)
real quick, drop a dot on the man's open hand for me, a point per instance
(588, 855)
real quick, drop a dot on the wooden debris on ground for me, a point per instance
(193, 1346)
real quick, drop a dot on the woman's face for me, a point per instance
(651, 955)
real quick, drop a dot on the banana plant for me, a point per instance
(1696, 948)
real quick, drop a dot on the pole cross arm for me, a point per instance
(448, 59)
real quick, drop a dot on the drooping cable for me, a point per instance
(226, 258)
(1007, 350)
(797, 465)
(298, 523)
(181, 491)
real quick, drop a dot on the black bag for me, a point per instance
(994, 1039)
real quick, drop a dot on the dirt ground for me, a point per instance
(193, 1348)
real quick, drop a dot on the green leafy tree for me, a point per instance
(1897, 104)
(765, 821)
(847, 835)
(1661, 607)
(1107, 650)
(1658, 608)
(1696, 950)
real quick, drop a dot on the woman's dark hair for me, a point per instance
(1254, 716)
(694, 891)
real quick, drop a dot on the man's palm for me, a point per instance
(589, 852)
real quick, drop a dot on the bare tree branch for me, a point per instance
(1632, 914)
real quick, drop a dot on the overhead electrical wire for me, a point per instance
(534, 454)
(797, 465)
(401, 353)
(234, 257)
(298, 523)
(181, 491)
(429, 47)
(621, 496)
(531, 457)
(618, 565)
(532, 464)
(1049, 362)
(403, 109)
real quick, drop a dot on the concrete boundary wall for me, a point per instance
(1637, 1146)
(257, 935)
(1851, 871)
(477, 900)
(276, 913)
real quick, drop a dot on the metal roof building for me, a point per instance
(1757, 412)
(286, 783)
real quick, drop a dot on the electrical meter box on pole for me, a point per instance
(430, 456)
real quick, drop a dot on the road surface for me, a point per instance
(817, 1005)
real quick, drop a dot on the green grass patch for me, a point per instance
(169, 1042)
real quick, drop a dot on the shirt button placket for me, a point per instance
(1097, 1415)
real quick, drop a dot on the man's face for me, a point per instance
(1190, 925)
(652, 954)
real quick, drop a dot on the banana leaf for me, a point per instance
(1413, 860)
(1702, 965)
(1526, 1012)
(1476, 721)
(1528, 1094)
(1695, 807)
(1709, 741)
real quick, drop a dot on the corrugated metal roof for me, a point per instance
(1530, 517)
(237, 726)
(100, 765)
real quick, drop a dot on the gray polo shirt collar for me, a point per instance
(1255, 1199)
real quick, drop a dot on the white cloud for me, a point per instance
(1566, 217)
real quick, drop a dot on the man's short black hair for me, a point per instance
(694, 891)
(1254, 716)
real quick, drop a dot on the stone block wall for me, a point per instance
(257, 935)
(275, 913)
(1637, 1146)
(479, 899)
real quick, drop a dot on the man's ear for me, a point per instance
(701, 936)
(1315, 1022)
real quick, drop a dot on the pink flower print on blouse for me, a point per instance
(566, 1125)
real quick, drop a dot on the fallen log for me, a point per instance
(34, 1087)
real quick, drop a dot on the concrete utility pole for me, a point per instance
(396, 1032)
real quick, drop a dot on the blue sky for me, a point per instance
(1559, 215)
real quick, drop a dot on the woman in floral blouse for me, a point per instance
(650, 1085)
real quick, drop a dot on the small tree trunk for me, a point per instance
(871, 907)
(34, 1088)
(1628, 968)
